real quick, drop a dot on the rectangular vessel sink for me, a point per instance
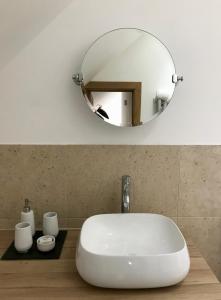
(132, 251)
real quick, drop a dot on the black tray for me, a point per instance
(34, 253)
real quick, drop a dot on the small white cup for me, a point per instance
(46, 243)
(23, 237)
(50, 224)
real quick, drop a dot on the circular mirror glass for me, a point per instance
(128, 77)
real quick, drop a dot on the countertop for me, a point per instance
(58, 279)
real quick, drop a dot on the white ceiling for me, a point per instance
(22, 20)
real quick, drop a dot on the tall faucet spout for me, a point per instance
(125, 204)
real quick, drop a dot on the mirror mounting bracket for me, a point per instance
(176, 78)
(78, 78)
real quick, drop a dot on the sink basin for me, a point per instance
(131, 251)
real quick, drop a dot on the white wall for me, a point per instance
(40, 104)
(22, 20)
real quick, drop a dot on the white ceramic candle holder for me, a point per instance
(46, 243)
(50, 224)
(23, 237)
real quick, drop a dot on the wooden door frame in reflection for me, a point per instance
(112, 86)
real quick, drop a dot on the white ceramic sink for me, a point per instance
(131, 251)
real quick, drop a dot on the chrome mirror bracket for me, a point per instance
(176, 78)
(78, 78)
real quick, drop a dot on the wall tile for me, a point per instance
(200, 181)
(44, 179)
(79, 181)
(206, 235)
(94, 179)
(155, 180)
(11, 181)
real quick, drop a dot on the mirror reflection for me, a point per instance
(128, 77)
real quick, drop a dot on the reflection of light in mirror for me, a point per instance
(117, 105)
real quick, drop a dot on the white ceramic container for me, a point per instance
(50, 224)
(132, 251)
(46, 243)
(23, 237)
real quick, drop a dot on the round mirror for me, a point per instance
(127, 77)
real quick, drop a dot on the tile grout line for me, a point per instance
(178, 198)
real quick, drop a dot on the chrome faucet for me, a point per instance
(125, 204)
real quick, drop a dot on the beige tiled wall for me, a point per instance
(199, 205)
(183, 182)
